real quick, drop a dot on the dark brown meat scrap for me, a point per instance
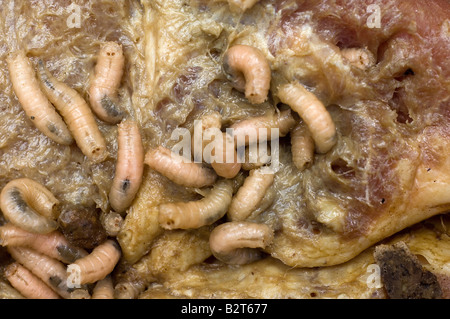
(403, 276)
(82, 227)
(444, 282)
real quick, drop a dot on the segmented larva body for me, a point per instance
(250, 194)
(238, 242)
(98, 264)
(29, 205)
(302, 146)
(107, 77)
(129, 166)
(208, 123)
(205, 130)
(34, 102)
(128, 289)
(195, 214)
(249, 71)
(111, 222)
(49, 270)
(359, 57)
(254, 129)
(77, 115)
(29, 285)
(54, 244)
(219, 152)
(226, 163)
(80, 293)
(242, 5)
(313, 113)
(178, 170)
(103, 289)
(255, 157)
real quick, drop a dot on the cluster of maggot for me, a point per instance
(238, 240)
(46, 265)
(45, 260)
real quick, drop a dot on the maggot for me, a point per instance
(250, 194)
(242, 5)
(178, 169)
(302, 146)
(111, 222)
(76, 113)
(216, 148)
(249, 71)
(194, 214)
(34, 102)
(129, 166)
(107, 77)
(29, 205)
(313, 113)
(360, 57)
(238, 242)
(255, 158)
(49, 270)
(98, 264)
(80, 293)
(53, 244)
(29, 285)
(258, 128)
(128, 289)
(201, 137)
(103, 289)
(224, 158)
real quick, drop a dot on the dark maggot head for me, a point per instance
(236, 77)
